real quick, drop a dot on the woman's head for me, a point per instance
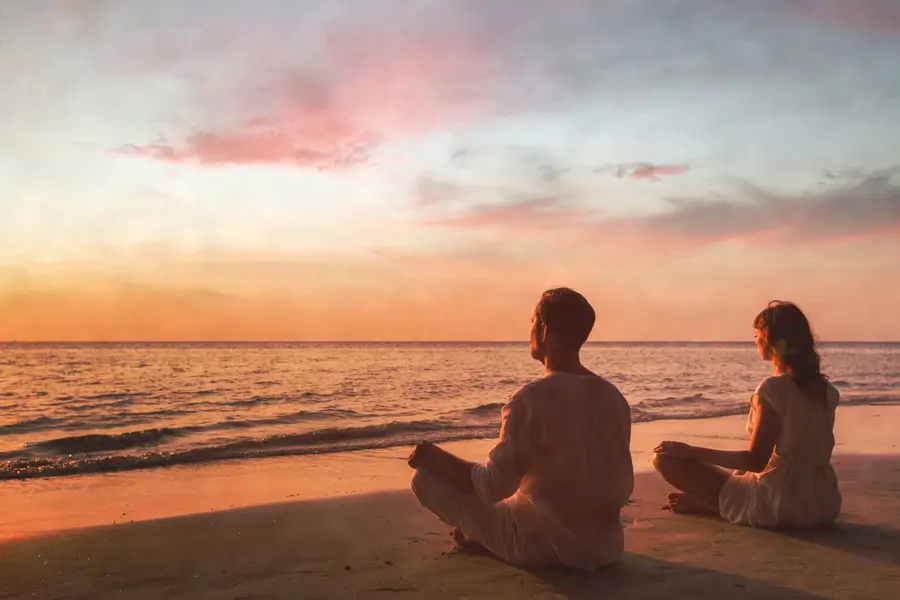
(784, 336)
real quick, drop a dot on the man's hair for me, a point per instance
(568, 315)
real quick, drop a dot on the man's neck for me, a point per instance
(564, 364)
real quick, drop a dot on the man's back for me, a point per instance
(568, 435)
(580, 430)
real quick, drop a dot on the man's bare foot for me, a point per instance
(465, 544)
(458, 537)
(683, 504)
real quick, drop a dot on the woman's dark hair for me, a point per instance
(787, 333)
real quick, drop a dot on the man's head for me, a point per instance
(562, 321)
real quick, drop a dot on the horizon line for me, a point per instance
(311, 342)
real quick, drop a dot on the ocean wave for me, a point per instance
(116, 396)
(866, 385)
(314, 442)
(282, 398)
(93, 422)
(299, 416)
(78, 454)
(117, 420)
(30, 424)
(674, 401)
(864, 400)
(642, 415)
(102, 442)
(491, 408)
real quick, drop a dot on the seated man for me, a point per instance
(553, 487)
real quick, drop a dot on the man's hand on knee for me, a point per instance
(438, 461)
(421, 455)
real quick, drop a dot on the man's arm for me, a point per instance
(496, 479)
(499, 477)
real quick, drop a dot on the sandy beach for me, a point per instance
(253, 254)
(345, 526)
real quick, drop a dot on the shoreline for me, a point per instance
(46, 505)
(17, 465)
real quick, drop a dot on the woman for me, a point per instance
(785, 478)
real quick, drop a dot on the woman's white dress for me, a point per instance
(798, 487)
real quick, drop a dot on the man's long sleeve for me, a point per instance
(498, 478)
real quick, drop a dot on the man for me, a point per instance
(553, 487)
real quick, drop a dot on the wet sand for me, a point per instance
(344, 526)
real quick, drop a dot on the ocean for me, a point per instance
(68, 409)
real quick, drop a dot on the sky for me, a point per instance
(377, 170)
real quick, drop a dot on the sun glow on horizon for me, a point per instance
(307, 171)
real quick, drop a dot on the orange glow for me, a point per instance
(476, 296)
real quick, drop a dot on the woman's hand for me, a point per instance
(676, 449)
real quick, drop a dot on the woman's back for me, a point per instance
(799, 486)
(807, 423)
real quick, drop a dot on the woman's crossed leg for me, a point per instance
(699, 484)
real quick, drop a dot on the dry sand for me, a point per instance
(369, 539)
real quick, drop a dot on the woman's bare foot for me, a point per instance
(683, 504)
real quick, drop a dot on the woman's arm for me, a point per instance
(766, 429)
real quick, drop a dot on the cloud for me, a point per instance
(332, 93)
(880, 17)
(315, 125)
(264, 145)
(370, 83)
(532, 214)
(451, 205)
(862, 206)
(550, 169)
(646, 171)
(512, 158)
(431, 192)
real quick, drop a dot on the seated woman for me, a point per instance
(785, 478)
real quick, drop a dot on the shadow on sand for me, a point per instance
(639, 576)
(874, 542)
(872, 496)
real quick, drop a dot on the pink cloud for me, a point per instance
(645, 171)
(259, 146)
(873, 16)
(656, 172)
(373, 86)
